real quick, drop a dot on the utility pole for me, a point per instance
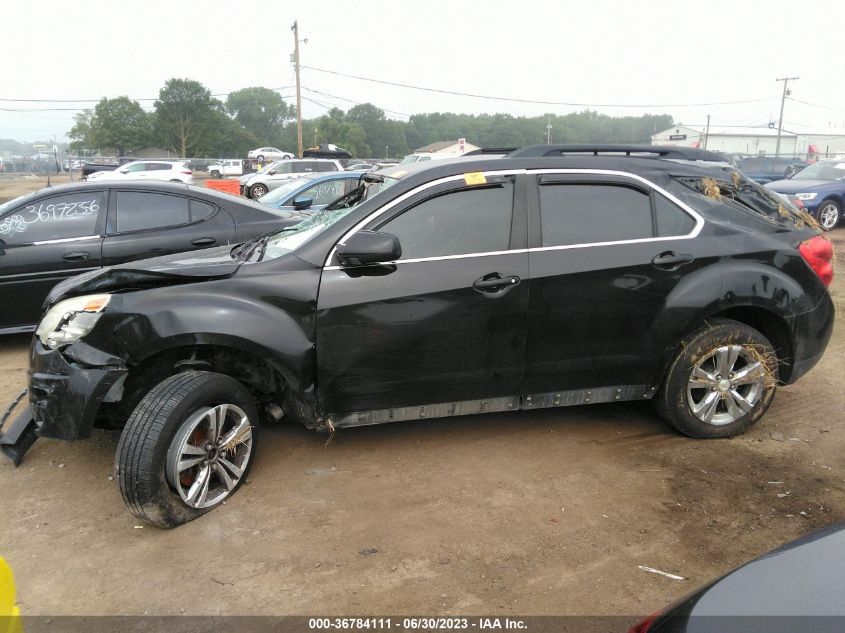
(786, 92)
(548, 131)
(707, 132)
(295, 29)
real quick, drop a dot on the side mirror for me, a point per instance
(302, 202)
(272, 172)
(124, 171)
(369, 247)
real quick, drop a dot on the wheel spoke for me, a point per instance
(199, 489)
(735, 397)
(184, 464)
(240, 433)
(751, 373)
(707, 407)
(234, 470)
(726, 359)
(701, 378)
(224, 476)
(732, 406)
(216, 419)
(190, 449)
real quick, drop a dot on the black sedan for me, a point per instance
(797, 587)
(62, 231)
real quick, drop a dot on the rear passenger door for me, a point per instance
(148, 224)
(606, 251)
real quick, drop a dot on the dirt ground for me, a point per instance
(530, 513)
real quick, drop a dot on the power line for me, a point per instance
(326, 94)
(534, 101)
(815, 105)
(215, 94)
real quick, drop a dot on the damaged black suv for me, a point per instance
(553, 276)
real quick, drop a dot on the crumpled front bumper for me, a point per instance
(64, 395)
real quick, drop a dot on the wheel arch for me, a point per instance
(258, 368)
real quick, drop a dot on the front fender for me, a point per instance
(270, 316)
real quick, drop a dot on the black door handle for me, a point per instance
(204, 241)
(495, 283)
(76, 256)
(671, 260)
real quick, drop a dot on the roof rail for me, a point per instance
(641, 151)
(491, 150)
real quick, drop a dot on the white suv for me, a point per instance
(269, 179)
(148, 170)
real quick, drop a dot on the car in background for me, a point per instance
(326, 150)
(362, 167)
(424, 156)
(821, 189)
(268, 179)
(268, 153)
(176, 171)
(796, 587)
(763, 169)
(58, 232)
(311, 192)
(232, 167)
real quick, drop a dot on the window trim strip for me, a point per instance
(699, 220)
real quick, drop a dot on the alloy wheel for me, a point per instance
(209, 455)
(829, 215)
(726, 384)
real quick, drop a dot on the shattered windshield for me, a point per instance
(287, 240)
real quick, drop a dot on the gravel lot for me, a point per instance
(544, 512)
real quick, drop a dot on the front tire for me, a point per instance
(215, 175)
(261, 158)
(187, 447)
(256, 191)
(721, 382)
(829, 214)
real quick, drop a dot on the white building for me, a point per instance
(447, 147)
(754, 141)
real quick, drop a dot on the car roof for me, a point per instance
(160, 186)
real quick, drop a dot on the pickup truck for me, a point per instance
(226, 168)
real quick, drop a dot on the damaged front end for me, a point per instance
(65, 392)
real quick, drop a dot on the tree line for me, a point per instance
(189, 121)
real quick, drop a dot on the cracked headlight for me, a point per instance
(70, 320)
(806, 196)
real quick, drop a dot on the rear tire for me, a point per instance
(721, 381)
(187, 447)
(829, 214)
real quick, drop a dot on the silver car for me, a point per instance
(268, 179)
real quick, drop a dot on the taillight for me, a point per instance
(818, 253)
(645, 624)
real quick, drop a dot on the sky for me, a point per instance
(673, 57)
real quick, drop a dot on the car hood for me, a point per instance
(178, 268)
(798, 186)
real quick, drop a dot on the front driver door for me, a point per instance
(434, 333)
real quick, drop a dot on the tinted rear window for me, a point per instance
(585, 214)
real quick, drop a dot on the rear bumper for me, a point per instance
(811, 332)
(64, 396)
